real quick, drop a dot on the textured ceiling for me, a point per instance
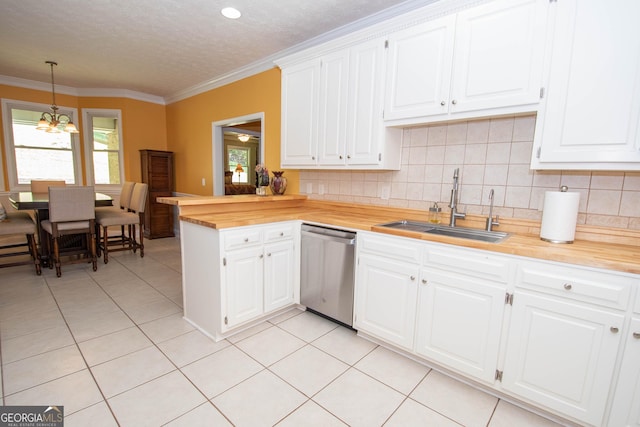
(161, 47)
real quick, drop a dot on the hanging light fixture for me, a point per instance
(49, 121)
(243, 137)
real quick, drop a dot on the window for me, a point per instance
(103, 147)
(35, 154)
(238, 163)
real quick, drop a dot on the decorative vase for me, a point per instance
(278, 183)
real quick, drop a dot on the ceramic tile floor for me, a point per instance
(111, 347)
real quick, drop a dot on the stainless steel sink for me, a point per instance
(444, 230)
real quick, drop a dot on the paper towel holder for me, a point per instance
(549, 230)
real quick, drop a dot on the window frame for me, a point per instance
(10, 156)
(87, 132)
(248, 151)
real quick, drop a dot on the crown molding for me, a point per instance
(81, 92)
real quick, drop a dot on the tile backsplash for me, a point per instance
(491, 154)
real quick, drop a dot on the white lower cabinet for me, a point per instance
(626, 400)
(556, 336)
(460, 322)
(242, 287)
(562, 354)
(386, 302)
(236, 276)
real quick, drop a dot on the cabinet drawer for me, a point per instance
(597, 287)
(399, 248)
(637, 306)
(242, 238)
(279, 232)
(473, 263)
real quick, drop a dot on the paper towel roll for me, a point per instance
(559, 216)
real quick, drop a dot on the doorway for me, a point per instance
(246, 132)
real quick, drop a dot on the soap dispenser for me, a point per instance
(434, 213)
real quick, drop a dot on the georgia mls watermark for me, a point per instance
(31, 416)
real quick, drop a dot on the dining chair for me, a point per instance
(71, 212)
(102, 213)
(13, 227)
(133, 219)
(42, 186)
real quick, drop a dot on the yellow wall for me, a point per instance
(143, 124)
(189, 128)
(184, 127)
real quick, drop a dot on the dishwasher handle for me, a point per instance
(344, 240)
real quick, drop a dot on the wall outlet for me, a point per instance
(309, 188)
(321, 189)
(385, 192)
(204, 182)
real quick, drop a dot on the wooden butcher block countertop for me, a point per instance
(610, 248)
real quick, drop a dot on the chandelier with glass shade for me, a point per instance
(49, 121)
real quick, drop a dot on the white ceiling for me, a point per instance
(164, 47)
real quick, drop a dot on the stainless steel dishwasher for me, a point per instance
(327, 272)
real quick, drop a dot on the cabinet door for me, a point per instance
(242, 283)
(626, 401)
(365, 125)
(385, 304)
(332, 117)
(498, 55)
(279, 275)
(591, 114)
(419, 70)
(561, 354)
(460, 322)
(300, 90)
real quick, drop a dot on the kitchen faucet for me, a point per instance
(453, 204)
(490, 221)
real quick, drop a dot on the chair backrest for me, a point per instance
(71, 203)
(42, 186)
(139, 197)
(125, 194)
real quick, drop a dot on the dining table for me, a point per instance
(39, 203)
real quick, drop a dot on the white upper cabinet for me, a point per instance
(332, 109)
(419, 70)
(485, 60)
(590, 114)
(300, 91)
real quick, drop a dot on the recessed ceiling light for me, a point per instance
(231, 13)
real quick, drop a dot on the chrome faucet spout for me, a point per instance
(490, 221)
(453, 203)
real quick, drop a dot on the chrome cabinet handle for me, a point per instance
(454, 102)
(313, 157)
(413, 278)
(424, 281)
(269, 254)
(246, 239)
(281, 233)
(442, 103)
(636, 335)
(261, 256)
(348, 156)
(567, 286)
(614, 329)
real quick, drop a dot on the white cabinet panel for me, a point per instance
(590, 116)
(460, 322)
(279, 275)
(300, 92)
(243, 290)
(385, 299)
(626, 400)
(419, 70)
(332, 118)
(562, 355)
(498, 56)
